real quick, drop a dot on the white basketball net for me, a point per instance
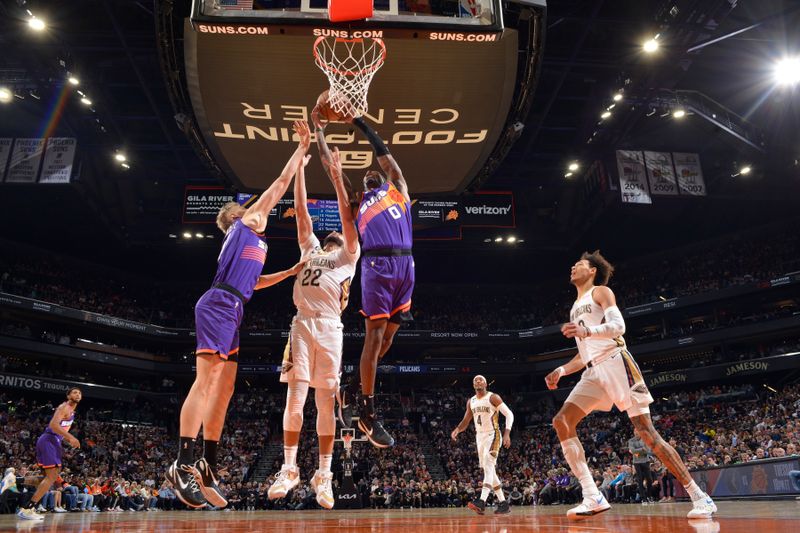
(349, 65)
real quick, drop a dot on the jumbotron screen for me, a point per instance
(440, 101)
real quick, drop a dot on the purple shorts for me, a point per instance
(48, 451)
(386, 285)
(217, 316)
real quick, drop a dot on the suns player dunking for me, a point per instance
(387, 269)
(313, 355)
(218, 314)
(611, 378)
(484, 409)
(49, 451)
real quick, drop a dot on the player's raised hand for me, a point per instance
(301, 129)
(317, 119)
(506, 442)
(306, 159)
(334, 166)
(454, 434)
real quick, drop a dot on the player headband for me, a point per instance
(479, 376)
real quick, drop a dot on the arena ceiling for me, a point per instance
(593, 49)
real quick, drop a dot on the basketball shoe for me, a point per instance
(183, 480)
(208, 484)
(321, 483)
(287, 479)
(702, 508)
(502, 508)
(29, 514)
(591, 506)
(477, 505)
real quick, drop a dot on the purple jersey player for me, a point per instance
(387, 267)
(48, 450)
(218, 314)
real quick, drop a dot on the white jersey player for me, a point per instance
(313, 355)
(484, 409)
(611, 378)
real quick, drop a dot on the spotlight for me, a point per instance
(787, 71)
(511, 239)
(605, 115)
(745, 170)
(5, 95)
(34, 94)
(679, 113)
(612, 106)
(119, 156)
(126, 166)
(173, 236)
(498, 239)
(487, 240)
(36, 24)
(73, 80)
(651, 45)
(198, 235)
(85, 101)
(209, 236)
(618, 97)
(187, 235)
(573, 167)
(568, 174)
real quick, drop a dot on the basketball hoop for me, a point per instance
(347, 440)
(349, 65)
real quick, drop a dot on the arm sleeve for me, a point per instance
(613, 327)
(509, 416)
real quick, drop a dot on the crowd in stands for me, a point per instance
(120, 465)
(723, 263)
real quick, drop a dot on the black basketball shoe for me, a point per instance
(375, 432)
(208, 484)
(502, 508)
(347, 402)
(186, 489)
(477, 505)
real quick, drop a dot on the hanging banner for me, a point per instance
(690, 174)
(632, 178)
(5, 151)
(58, 159)
(661, 173)
(25, 159)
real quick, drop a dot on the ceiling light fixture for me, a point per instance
(73, 80)
(618, 97)
(5, 95)
(679, 113)
(605, 115)
(787, 71)
(651, 45)
(85, 101)
(36, 24)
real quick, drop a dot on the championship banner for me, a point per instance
(201, 204)
(58, 159)
(660, 173)
(5, 152)
(25, 159)
(690, 174)
(768, 477)
(488, 210)
(632, 178)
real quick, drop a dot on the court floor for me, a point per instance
(733, 517)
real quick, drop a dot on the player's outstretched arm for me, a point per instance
(256, 216)
(463, 424)
(268, 280)
(334, 170)
(385, 159)
(326, 156)
(55, 425)
(575, 365)
(304, 224)
(497, 401)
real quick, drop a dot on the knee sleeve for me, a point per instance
(326, 420)
(295, 401)
(489, 476)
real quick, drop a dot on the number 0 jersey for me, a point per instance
(485, 416)
(586, 312)
(384, 219)
(323, 286)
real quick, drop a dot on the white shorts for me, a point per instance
(488, 447)
(616, 381)
(314, 352)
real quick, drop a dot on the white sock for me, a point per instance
(325, 463)
(576, 459)
(290, 455)
(485, 493)
(695, 492)
(499, 493)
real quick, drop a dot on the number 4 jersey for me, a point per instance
(323, 286)
(484, 414)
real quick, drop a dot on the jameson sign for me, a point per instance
(57, 386)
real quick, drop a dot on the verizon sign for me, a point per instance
(489, 209)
